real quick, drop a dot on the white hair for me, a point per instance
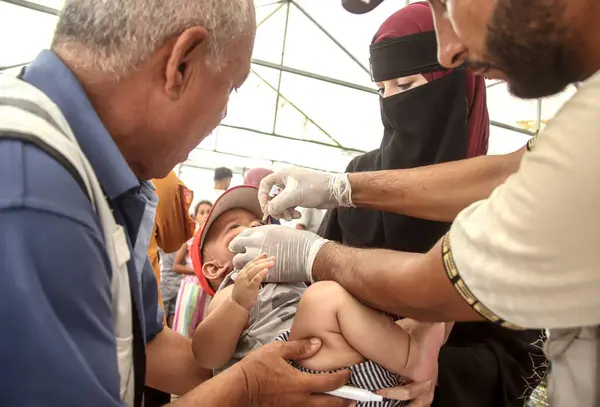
(114, 36)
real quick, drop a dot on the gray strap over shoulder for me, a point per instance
(28, 115)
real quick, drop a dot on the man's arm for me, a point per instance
(225, 390)
(171, 366)
(408, 284)
(437, 192)
(58, 345)
(265, 378)
(527, 256)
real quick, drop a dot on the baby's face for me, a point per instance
(224, 229)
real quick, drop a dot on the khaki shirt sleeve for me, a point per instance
(530, 254)
(174, 226)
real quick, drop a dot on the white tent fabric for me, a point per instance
(309, 100)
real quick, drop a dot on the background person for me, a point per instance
(172, 223)
(192, 300)
(222, 178)
(427, 121)
(201, 212)
(169, 284)
(255, 175)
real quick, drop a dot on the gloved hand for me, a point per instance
(294, 251)
(306, 188)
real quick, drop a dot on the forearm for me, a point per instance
(437, 192)
(171, 366)
(407, 284)
(181, 269)
(216, 337)
(229, 389)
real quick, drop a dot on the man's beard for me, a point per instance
(529, 41)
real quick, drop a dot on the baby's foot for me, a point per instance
(426, 341)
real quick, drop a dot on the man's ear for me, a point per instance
(183, 51)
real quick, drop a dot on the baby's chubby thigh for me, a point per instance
(317, 317)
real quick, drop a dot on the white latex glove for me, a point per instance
(294, 251)
(305, 188)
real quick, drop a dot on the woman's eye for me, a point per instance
(405, 86)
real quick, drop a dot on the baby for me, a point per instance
(246, 313)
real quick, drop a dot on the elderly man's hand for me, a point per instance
(305, 188)
(273, 382)
(294, 251)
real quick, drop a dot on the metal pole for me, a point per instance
(285, 32)
(538, 118)
(297, 108)
(319, 143)
(5, 68)
(269, 15)
(511, 128)
(491, 85)
(246, 156)
(331, 37)
(33, 6)
(311, 75)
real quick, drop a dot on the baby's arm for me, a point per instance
(352, 332)
(216, 337)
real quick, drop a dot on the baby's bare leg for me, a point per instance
(352, 332)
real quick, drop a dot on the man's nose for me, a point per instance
(452, 53)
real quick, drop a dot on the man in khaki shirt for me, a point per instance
(528, 254)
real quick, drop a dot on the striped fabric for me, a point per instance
(191, 306)
(367, 375)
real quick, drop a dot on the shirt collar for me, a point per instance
(49, 74)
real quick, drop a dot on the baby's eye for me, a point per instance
(232, 227)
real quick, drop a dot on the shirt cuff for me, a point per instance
(461, 287)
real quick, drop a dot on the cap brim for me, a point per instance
(360, 6)
(244, 197)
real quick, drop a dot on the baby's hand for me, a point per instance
(249, 279)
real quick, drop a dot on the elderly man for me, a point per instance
(140, 84)
(526, 256)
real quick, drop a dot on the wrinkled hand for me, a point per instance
(272, 382)
(295, 251)
(305, 188)
(248, 281)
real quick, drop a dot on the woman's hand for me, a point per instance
(272, 382)
(248, 281)
(420, 393)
